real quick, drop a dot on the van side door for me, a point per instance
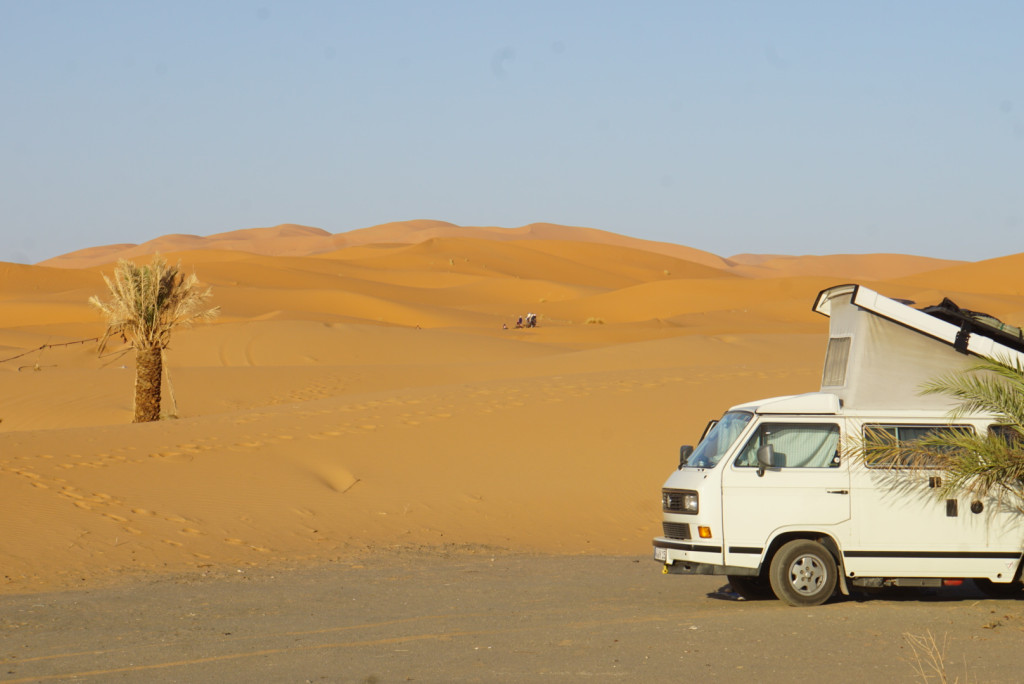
(904, 529)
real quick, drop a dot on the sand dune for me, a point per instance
(992, 276)
(17, 280)
(370, 389)
(858, 267)
(295, 240)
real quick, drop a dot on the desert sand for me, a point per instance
(369, 390)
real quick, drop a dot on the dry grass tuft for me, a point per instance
(929, 658)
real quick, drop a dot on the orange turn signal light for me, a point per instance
(704, 532)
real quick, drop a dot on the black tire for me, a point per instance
(752, 588)
(803, 573)
(999, 589)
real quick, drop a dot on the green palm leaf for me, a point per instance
(990, 464)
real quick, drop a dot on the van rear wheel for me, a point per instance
(803, 573)
(752, 588)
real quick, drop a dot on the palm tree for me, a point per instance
(991, 463)
(146, 304)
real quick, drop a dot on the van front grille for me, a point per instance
(674, 530)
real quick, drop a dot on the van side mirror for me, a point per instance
(765, 458)
(684, 455)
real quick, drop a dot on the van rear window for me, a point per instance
(1007, 432)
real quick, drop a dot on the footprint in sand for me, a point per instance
(190, 530)
(171, 542)
(232, 540)
(117, 518)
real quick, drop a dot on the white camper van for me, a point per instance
(772, 498)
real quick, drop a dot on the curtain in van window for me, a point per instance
(796, 445)
(804, 446)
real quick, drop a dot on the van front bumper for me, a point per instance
(686, 558)
(673, 548)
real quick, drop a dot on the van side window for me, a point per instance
(797, 445)
(890, 437)
(1007, 432)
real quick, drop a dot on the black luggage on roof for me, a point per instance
(977, 323)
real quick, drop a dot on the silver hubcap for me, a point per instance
(807, 575)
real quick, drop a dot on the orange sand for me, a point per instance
(359, 391)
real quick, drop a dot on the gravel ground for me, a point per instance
(477, 617)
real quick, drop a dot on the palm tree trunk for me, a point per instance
(148, 369)
(170, 385)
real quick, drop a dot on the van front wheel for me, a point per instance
(803, 573)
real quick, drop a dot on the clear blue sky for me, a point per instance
(768, 127)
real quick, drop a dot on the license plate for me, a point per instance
(660, 554)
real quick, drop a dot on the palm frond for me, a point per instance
(980, 465)
(989, 464)
(994, 386)
(147, 302)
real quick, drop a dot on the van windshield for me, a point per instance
(717, 442)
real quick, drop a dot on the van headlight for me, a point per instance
(679, 501)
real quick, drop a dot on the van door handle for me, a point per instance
(838, 491)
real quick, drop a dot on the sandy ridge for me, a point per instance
(379, 394)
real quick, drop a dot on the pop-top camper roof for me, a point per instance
(880, 350)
